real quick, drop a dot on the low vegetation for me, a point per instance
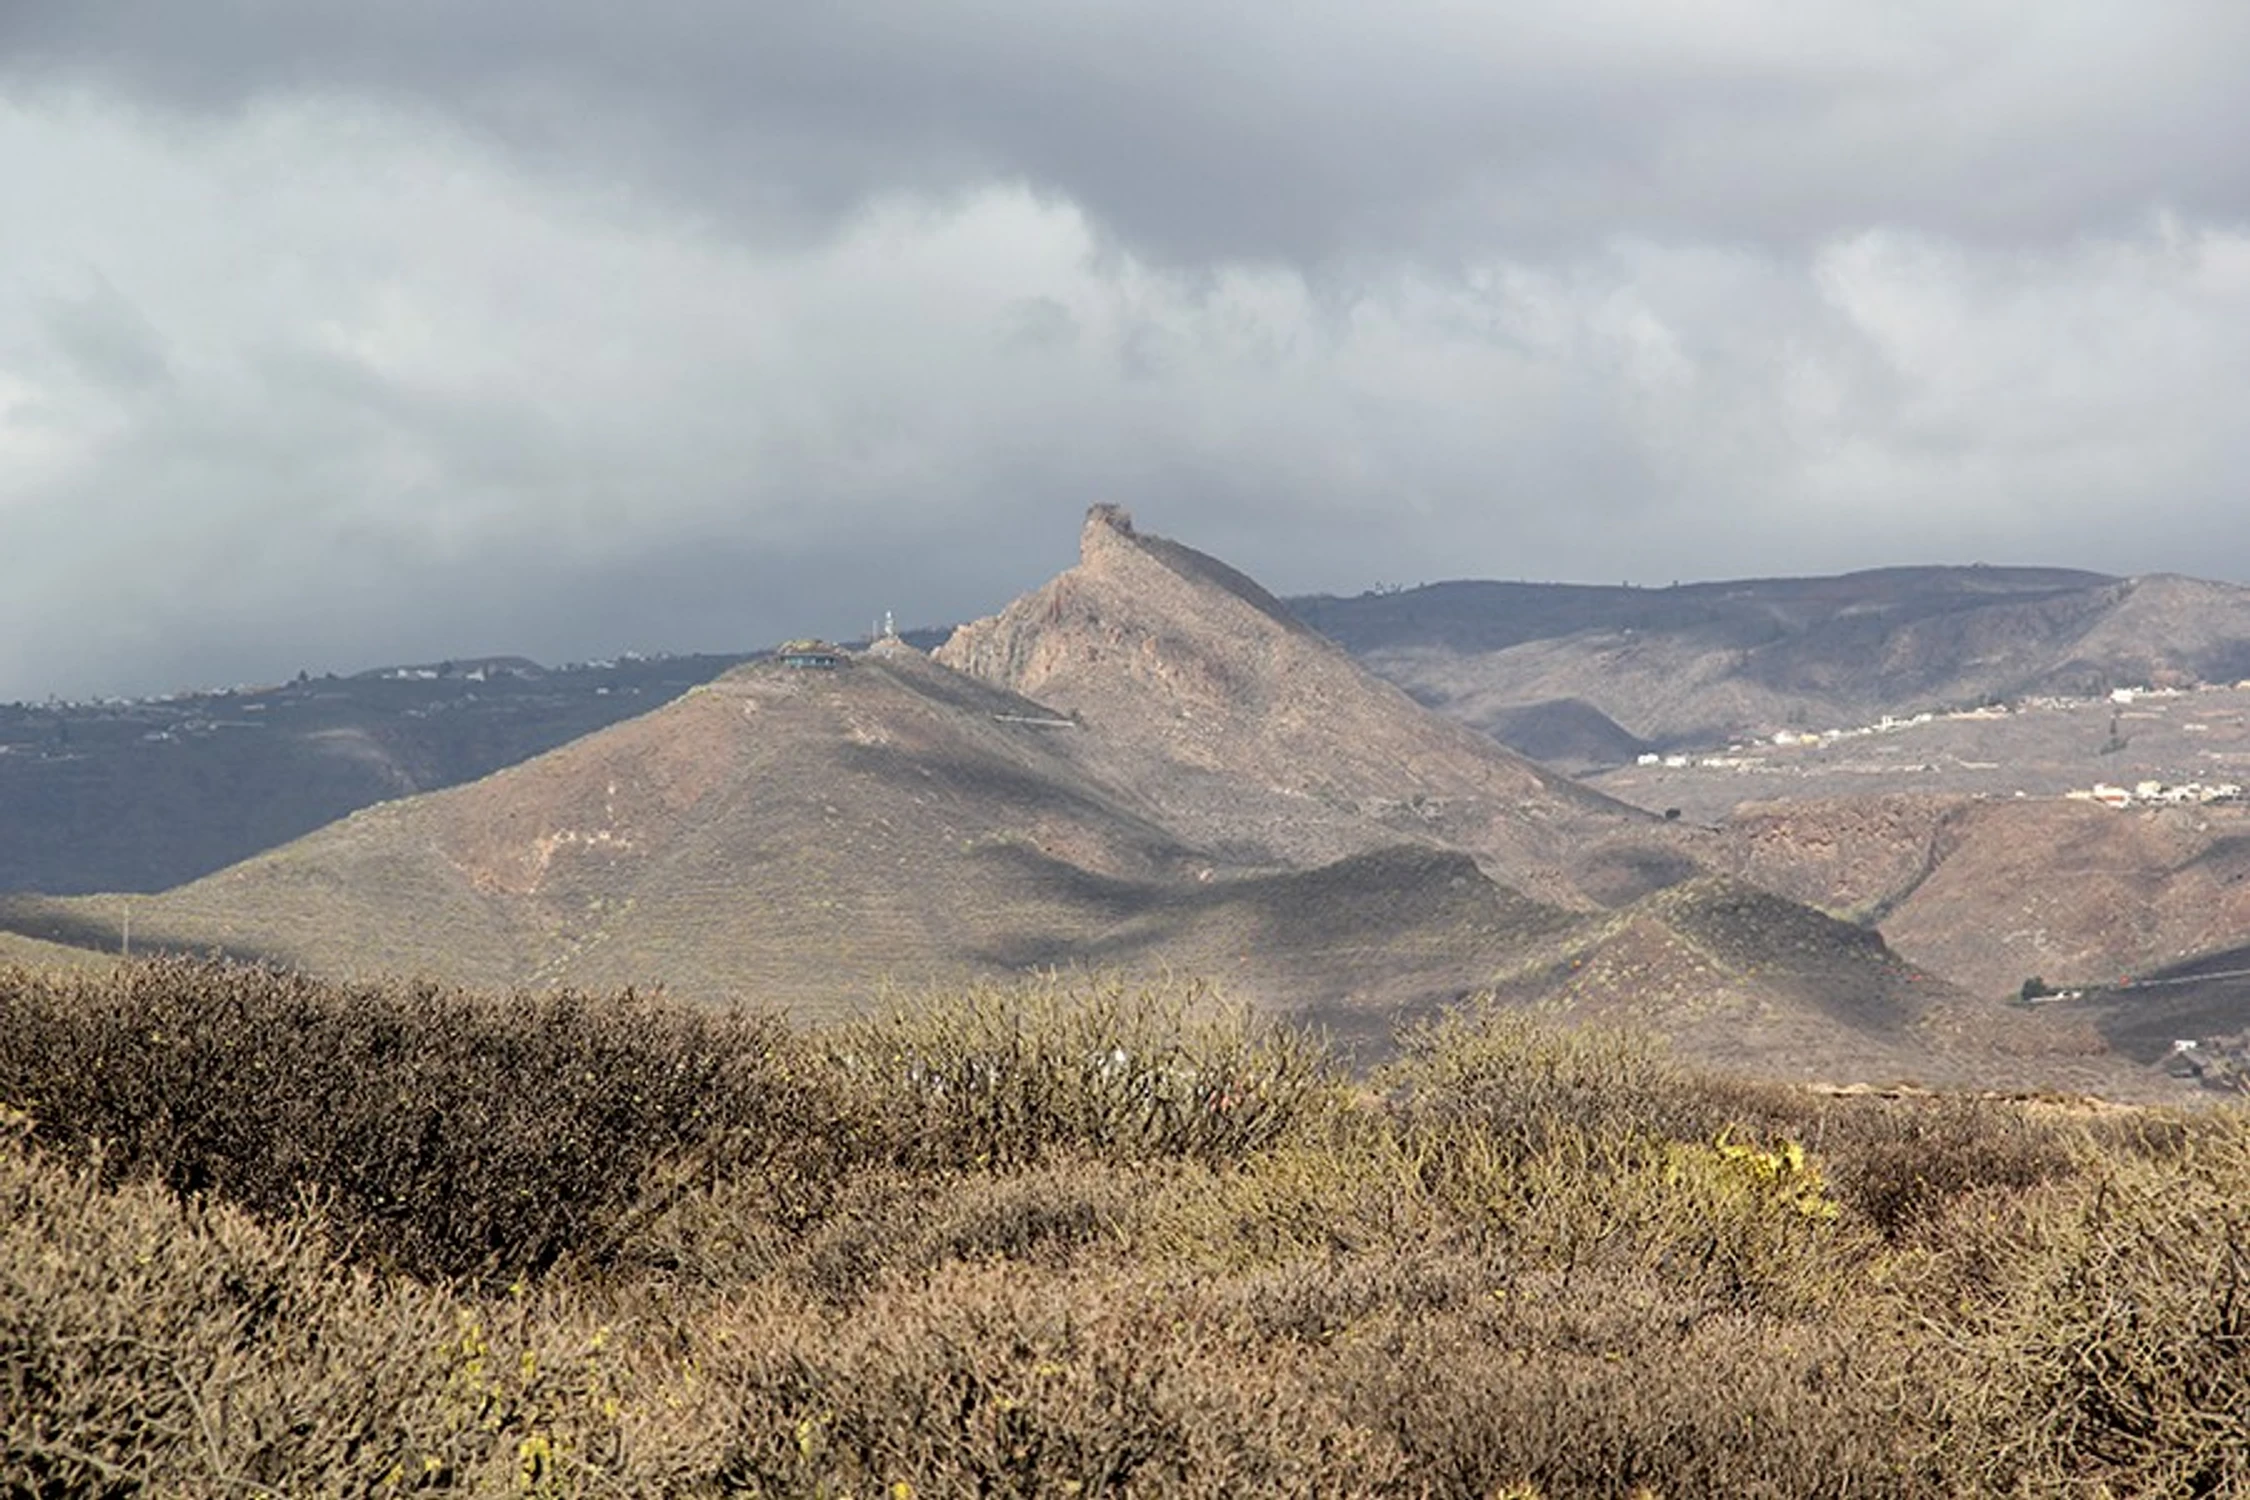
(261, 1235)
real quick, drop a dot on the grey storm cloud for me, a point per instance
(1202, 130)
(333, 334)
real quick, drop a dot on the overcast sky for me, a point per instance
(335, 334)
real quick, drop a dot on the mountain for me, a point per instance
(802, 838)
(144, 795)
(1703, 664)
(1219, 707)
(1147, 766)
(1157, 769)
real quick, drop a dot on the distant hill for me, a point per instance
(1732, 972)
(146, 794)
(36, 954)
(1700, 664)
(1567, 734)
(2136, 914)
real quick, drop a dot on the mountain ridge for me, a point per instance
(1147, 764)
(1704, 664)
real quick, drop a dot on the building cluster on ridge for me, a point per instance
(2156, 794)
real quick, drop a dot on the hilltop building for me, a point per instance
(810, 656)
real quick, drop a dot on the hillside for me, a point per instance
(1730, 972)
(1990, 892)
(802, 839)
(143, 795)
(34, 953)
(2137, 913)
(1701, 664)
(2195, 739)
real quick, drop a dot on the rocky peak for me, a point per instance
(1104, 523)
(1199, 690)
(1136, 607)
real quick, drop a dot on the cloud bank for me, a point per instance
(337, 335)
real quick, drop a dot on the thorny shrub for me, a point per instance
(1049, 1242)
(1000, 1075)
(441, 1132)
(1529, 1086)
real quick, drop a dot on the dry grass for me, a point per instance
(1062, 1242)
(30, 952)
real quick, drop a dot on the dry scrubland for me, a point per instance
(260, 1235)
